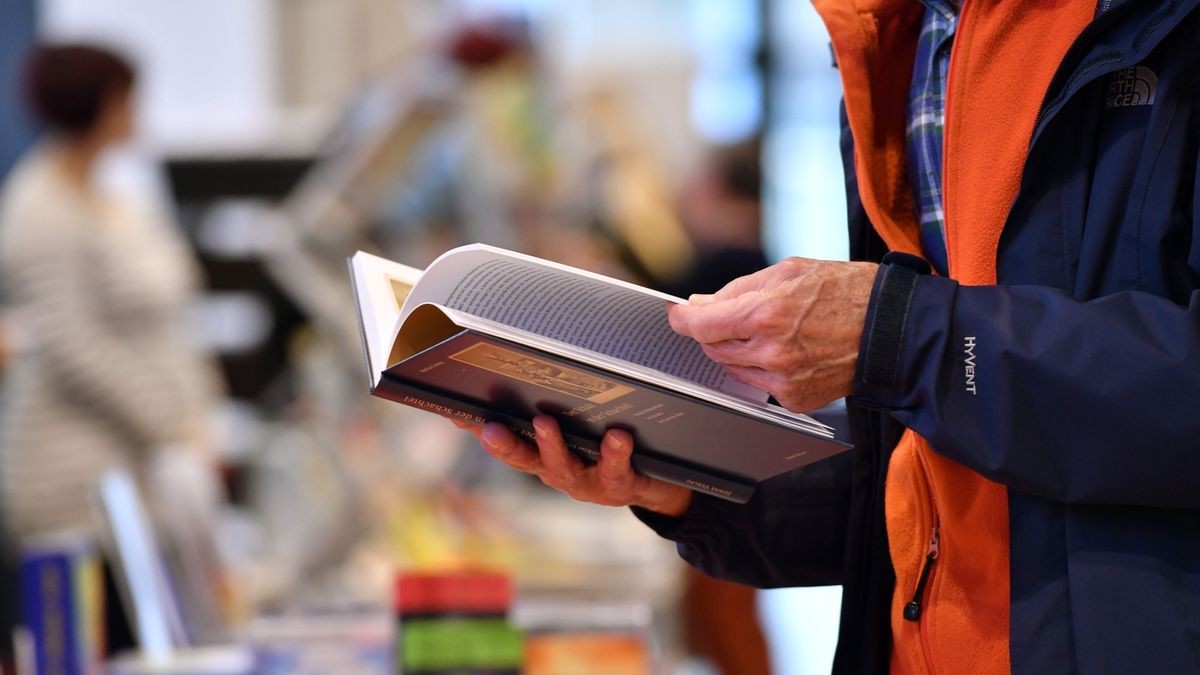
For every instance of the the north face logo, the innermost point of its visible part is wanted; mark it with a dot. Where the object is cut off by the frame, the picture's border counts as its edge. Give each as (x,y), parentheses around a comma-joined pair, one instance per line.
(1132,87)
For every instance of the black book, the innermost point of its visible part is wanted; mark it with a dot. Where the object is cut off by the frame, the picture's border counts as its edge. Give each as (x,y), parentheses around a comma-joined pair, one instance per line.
(486,334)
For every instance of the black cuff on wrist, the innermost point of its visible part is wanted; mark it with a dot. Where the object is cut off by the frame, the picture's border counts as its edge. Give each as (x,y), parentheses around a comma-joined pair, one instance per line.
(884,331)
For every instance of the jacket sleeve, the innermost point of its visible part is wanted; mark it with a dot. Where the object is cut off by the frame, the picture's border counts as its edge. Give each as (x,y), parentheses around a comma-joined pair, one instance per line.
(791,533)
(1081,402)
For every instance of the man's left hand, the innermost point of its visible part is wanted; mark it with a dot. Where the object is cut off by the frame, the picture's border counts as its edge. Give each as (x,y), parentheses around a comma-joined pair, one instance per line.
(792,329)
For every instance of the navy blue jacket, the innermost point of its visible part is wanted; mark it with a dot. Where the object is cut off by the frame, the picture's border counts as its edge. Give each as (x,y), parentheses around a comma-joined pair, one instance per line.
(1087,385)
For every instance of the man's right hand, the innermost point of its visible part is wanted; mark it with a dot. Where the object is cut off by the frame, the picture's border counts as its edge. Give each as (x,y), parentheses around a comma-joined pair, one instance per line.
(610,482)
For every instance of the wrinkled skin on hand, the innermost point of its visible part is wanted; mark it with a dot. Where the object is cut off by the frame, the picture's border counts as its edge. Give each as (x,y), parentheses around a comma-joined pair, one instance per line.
(792,329)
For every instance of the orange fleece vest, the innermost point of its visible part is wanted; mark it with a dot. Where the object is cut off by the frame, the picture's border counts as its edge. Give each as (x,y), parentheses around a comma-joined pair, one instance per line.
(1005,53)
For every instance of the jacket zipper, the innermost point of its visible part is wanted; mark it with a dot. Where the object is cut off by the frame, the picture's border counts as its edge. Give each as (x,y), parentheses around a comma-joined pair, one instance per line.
(912,611)
(922,599)
(923,594)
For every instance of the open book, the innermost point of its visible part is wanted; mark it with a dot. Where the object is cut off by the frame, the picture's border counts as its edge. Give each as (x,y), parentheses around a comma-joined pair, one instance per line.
(486,334)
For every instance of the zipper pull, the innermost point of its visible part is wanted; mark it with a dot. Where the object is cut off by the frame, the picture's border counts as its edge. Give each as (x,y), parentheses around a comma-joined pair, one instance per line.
(912,611)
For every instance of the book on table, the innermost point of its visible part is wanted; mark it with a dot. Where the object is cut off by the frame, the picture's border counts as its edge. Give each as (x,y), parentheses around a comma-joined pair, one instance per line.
(488,335)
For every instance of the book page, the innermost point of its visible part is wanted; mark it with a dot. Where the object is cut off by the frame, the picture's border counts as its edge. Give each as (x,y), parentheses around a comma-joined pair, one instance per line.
(754,403)
(603,315)
(381,288)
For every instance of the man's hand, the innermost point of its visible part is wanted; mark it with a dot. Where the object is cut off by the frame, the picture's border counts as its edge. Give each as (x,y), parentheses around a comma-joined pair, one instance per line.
(792,329)
(610,482)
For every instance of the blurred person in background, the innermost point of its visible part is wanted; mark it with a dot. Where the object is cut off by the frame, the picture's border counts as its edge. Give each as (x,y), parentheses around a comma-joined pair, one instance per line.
(721,212)
(106,376)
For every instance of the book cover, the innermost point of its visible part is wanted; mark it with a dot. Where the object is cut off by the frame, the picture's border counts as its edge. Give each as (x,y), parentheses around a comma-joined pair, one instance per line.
(677,439)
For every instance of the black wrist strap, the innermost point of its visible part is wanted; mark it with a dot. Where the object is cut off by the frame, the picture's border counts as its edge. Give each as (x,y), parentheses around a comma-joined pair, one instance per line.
(894,287)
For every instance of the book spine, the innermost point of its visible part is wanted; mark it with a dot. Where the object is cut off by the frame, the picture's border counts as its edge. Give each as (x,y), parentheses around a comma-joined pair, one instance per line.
(645,462)
(48,612)
(692,479)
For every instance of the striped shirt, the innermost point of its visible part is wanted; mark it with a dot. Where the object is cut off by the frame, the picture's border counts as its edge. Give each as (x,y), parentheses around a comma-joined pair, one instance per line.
(107,376)
(926,118)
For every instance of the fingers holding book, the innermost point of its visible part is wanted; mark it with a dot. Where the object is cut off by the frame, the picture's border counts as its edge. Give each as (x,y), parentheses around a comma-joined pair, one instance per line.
(561,470)
(504,445)
(610,482)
